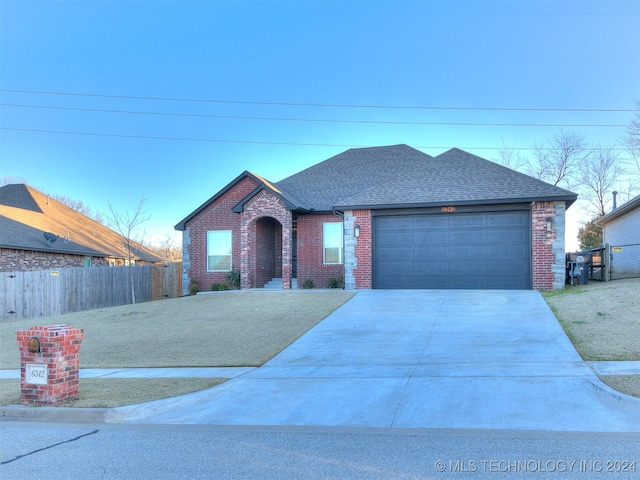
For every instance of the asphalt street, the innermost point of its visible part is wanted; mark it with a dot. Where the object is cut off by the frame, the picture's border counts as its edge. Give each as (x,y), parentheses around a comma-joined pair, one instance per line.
(51,451)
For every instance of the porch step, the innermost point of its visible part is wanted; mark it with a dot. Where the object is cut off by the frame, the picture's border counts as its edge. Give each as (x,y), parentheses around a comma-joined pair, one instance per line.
(276,284)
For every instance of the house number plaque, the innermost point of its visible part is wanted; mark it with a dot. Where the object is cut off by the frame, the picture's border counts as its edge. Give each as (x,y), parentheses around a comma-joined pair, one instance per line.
(448,209)
(36,374)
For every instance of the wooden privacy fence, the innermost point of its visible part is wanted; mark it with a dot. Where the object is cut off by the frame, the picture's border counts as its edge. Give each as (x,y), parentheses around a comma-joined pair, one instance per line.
(47,293)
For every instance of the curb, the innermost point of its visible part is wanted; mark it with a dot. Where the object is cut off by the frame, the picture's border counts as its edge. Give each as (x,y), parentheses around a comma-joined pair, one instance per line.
(53,414)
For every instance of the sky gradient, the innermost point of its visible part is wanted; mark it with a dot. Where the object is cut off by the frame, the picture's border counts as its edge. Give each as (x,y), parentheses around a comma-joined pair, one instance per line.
(107,101)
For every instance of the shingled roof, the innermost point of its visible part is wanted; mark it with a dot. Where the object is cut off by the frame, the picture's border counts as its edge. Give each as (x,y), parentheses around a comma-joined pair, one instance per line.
(26,214)
(400,176)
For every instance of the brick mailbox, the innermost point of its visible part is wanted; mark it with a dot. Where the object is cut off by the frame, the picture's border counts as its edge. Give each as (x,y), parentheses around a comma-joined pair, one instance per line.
(49,364)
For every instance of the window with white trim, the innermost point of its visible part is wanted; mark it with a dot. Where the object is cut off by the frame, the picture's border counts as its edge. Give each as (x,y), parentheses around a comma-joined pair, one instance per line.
(219,251)
(332,243)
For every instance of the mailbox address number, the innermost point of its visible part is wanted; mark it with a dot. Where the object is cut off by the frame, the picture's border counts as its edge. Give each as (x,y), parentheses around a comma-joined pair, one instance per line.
(36,374)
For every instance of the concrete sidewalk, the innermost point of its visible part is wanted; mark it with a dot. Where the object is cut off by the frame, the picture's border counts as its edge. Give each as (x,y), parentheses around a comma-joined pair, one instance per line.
(434,359)
(189,372)
(600,368)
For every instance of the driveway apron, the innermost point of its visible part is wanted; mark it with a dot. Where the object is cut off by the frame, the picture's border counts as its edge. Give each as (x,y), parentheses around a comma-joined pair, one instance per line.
(417,358)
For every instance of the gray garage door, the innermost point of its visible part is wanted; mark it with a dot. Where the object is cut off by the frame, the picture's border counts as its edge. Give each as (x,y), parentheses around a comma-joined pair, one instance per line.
(459,250)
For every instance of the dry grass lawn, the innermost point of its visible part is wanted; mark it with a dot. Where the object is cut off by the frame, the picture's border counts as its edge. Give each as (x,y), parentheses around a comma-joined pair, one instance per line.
(220,329)
(603,322)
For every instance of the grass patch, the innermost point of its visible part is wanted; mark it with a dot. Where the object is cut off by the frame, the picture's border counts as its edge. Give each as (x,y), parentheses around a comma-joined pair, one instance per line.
(568,290)
(222,329)
(117,392)
(629,384)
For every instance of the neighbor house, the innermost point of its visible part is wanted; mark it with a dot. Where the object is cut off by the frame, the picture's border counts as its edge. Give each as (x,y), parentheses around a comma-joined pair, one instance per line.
(37,232)
(383,217)
(621,231)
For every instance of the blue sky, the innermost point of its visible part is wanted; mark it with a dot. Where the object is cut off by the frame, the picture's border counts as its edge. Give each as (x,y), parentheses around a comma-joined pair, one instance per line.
(304,77)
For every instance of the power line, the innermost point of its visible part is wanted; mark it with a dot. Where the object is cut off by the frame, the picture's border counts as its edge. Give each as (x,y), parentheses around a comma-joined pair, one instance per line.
(316,120)
(259,142)
(323,105)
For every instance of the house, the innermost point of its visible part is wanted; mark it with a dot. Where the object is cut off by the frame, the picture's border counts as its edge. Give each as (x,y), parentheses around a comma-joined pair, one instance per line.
(38,232)
(383,217)
(621,231)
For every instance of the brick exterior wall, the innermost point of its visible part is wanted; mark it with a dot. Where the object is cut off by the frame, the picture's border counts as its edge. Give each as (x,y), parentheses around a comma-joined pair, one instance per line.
(217,216)
(60,352)
(262,243)
(547,246)
(310,261)
(12,260)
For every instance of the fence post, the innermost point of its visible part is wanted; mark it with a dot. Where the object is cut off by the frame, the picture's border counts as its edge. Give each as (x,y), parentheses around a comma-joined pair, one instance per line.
(606,256)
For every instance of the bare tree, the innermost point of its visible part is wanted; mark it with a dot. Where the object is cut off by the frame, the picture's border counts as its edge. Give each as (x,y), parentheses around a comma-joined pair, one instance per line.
(126,224)
(631,140)
(557,162)
(510,158)
(599,174)
(168,250)
(11,180)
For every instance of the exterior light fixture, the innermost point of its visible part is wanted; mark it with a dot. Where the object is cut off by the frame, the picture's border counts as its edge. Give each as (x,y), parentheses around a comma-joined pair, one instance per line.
(356,231)
(549,224)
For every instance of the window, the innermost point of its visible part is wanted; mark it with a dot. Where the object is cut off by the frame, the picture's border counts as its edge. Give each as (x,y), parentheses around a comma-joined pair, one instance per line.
(219,251)
(332,242)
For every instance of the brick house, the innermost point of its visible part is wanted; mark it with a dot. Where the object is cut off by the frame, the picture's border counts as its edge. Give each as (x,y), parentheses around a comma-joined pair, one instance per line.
(72,240)
(383,217)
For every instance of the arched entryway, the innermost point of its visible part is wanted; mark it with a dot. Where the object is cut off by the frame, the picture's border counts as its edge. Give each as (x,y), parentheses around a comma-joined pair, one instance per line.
(265,241)
(267,254)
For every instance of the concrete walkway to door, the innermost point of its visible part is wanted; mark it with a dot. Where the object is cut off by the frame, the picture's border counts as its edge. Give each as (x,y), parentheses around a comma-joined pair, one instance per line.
(409,358)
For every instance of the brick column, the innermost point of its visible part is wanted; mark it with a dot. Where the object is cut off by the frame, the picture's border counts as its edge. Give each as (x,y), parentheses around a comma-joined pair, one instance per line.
(49,364)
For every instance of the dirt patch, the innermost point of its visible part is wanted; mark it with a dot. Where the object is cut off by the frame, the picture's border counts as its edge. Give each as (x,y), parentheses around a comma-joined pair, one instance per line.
(603,322)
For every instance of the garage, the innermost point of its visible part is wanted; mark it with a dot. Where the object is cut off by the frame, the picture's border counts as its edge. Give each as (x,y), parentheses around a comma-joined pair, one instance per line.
(453,249)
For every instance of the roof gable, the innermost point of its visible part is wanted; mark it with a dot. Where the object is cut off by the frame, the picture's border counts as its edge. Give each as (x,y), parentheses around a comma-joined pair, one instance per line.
(182,224)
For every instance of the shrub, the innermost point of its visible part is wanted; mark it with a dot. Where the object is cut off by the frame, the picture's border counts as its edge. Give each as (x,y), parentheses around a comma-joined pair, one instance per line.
(233,278)
(308,283)
(336,282)
(218,287)
(193,286)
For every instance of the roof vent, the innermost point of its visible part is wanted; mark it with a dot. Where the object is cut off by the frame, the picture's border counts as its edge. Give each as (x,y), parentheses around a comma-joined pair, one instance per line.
(615,205)
(50,237)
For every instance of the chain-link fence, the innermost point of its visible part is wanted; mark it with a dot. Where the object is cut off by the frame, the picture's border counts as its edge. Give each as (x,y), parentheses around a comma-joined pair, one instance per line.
(624,261)
(610,262)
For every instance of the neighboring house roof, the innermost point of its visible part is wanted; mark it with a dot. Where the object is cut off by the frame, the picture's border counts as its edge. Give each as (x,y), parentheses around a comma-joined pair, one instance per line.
(26,214)
(621,211)
(399,176)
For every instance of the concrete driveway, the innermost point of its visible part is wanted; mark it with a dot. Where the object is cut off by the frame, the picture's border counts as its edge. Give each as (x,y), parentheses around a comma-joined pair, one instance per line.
(409,358)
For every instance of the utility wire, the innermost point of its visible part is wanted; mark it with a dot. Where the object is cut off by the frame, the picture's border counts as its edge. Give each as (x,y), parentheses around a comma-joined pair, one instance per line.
(258,142)
(330,105)
(316,120)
